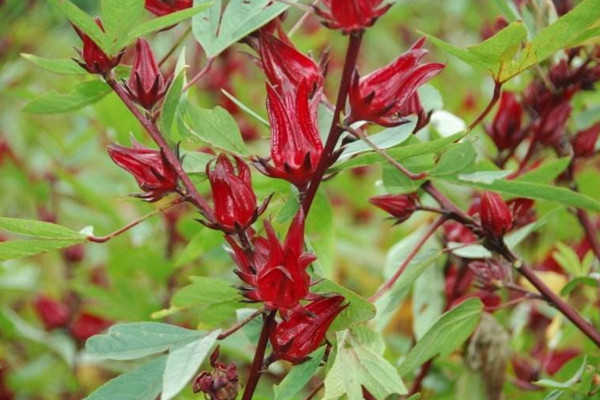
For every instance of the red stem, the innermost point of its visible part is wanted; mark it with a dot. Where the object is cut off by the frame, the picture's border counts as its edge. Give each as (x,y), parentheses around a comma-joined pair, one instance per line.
(259,357)
(490,106)
(152,129)
(335,131)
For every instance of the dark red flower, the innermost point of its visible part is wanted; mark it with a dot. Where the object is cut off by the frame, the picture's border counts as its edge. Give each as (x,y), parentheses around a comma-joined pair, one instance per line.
(276,273)
(457,232)
(164,7)
(296,146)
(584,142)
(496,217)
(95,60)
(489,275)
(352,15)
(219,384)
(147,85)
(53,314)
(150,168)
(550,126)
(302,333)
(87,325)
(506,130)
(413,106)
(234,200)
(381,96)
(399,206)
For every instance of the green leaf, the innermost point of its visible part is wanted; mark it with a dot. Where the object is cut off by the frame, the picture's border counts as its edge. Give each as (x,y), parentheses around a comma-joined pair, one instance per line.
(159,23)
(118,17)
(23,248)
(183,363)
(455,160)
(574,283)
(172,99)
(216,32)
(245,108)
(299,376)
(359,363)
(546,173)
(446,335)
(85,93)
(549,383)
(39,229)
(143,383)
(205,291)
(385,139)
(216,127)
(137,340)
(358,310)
(83,21)
(58,66)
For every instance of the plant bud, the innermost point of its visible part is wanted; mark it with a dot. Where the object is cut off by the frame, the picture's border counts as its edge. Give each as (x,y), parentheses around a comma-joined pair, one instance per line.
(147,85)
(53,314)
(352,15)
(584,142)
(495,216)
(95,60)
(399,206)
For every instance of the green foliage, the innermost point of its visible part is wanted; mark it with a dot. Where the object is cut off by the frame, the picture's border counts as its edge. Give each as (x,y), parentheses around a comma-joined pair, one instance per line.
(66,66)
(299,376)
(84,94)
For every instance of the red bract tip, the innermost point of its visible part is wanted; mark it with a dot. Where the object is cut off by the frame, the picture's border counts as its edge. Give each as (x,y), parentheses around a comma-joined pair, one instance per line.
(235,206)
(382,96)
(302,333)
(150,168)
(584,142)
(164,7)
(496,217)
(506,130)
(352,15)
(399,206)
(53,314)
(147,86)
(95,60)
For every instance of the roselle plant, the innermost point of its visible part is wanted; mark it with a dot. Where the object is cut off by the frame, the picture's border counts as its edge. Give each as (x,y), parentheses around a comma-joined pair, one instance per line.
(323,231)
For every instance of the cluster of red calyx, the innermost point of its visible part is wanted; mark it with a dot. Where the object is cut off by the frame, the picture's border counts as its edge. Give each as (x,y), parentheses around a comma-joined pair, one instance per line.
(235,204)
(150,168)
(57,315)
(94,59)
(219,384)
(399,206)
(352,16)
(294,90)
(147,85)
(165,7)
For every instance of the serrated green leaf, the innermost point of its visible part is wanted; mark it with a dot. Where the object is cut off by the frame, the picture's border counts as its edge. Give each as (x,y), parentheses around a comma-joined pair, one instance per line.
(118,17)
(85,93)
(58,66)
(143,383)
(137,340)
(183,363)
(446,335)
(299,376)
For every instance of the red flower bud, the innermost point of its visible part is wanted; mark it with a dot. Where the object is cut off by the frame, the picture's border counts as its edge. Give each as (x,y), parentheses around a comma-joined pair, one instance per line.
(276,274)
(53,314)
(352,15)
(95,60)
(399,206)
(296,146)
(302,333)
(550,126)
(147,86)
(87,325)
(496,217)
(219,384)
(506,130)
(584,142)
(164,7)
(381,96)
(233,196)
(150,168)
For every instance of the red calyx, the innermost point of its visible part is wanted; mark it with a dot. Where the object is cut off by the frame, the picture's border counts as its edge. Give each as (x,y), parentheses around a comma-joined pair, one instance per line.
(150,168)
(234,200)
(302,333)
(147,85)
(506,130)
(399,206)
(164,7)
(352,15)
(382,96)
(584,142)
(95,60)
(53,314)
(87,325)
(496,217)
(219,384)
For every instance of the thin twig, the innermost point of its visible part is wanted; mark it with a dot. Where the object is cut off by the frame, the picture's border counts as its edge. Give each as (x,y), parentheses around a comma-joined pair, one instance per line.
(490,106)
(259,356)
(303,18)
(236,327)
(200,74)
(175,46)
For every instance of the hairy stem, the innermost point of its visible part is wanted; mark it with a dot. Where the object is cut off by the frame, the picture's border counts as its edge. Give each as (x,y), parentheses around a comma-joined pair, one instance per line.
(152,129)
(335,131)
(259,356)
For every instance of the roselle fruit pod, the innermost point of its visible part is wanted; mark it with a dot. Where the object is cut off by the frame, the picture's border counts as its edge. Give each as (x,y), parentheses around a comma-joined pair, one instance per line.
(94,59)
(53,314)
(164,7)
(382,96)
(146,85)
(150,168)
(352,15)
(506,130)
(302,333)
(584,142)
(496,217)
(399,206)
(87,325)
